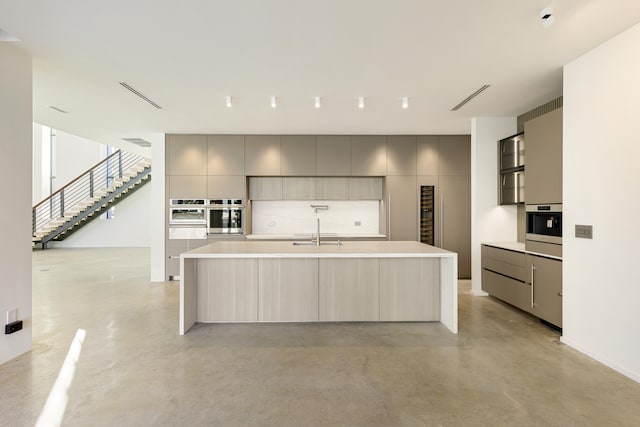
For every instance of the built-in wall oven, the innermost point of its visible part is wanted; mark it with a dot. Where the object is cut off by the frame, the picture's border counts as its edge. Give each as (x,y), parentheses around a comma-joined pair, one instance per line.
(544,223)
(188,218)
(225,216)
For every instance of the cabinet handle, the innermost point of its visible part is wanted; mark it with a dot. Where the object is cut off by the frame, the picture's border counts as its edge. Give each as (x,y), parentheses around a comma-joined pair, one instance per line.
(389,236)
(533,267)
(441,220)
(560,294)
(504,180)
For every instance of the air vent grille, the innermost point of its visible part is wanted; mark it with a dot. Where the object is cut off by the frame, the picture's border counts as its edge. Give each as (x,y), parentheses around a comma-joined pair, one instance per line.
(138,141)
(59,110)
(470,97)
(538,111)
(139,94)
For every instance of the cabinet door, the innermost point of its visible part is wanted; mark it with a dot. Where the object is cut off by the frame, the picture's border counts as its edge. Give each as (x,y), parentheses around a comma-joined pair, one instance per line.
(288,290)
(454,155)
(298,188)
(427,155)
(226,154)
(545,278)
(187,187)
(454,212)
(333,155)
(403,205)
(265,188)
(365,188)
(368,155)
(401,155)
(332,188)
(187,155)
(227,187)
(297,155)
(543,158)
(262,155)
(348,289)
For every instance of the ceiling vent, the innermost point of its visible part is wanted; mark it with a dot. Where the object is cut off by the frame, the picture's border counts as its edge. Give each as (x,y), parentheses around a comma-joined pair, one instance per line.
(138,94)
(470,97)
(138,141)
(59,110)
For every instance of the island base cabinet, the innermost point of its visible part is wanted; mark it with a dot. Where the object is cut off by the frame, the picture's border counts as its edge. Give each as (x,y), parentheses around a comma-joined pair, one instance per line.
(288,290)
(349,290)
(227,290)
(546,282)
(404,295)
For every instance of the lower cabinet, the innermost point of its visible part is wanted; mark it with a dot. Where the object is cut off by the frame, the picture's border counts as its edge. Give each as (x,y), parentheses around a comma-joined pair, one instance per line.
(530,282)
(288,290)
(349,289)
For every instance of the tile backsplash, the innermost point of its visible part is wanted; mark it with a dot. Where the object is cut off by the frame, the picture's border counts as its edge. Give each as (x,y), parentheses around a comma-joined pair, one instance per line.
(298,217)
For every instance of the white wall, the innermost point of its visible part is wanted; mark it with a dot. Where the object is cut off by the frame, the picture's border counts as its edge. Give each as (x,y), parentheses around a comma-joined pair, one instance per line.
(601,148)
(73,155)
(489,221)
(15,192)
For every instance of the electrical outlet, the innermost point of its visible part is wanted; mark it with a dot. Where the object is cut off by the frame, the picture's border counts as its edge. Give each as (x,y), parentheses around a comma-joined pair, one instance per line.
(272,224)
(13,327)
(357,223)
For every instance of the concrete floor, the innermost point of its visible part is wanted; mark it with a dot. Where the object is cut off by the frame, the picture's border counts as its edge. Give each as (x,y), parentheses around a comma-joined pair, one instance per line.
(504,368)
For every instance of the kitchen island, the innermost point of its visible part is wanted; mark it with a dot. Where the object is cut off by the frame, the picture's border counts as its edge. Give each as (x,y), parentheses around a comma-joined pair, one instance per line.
(379,281)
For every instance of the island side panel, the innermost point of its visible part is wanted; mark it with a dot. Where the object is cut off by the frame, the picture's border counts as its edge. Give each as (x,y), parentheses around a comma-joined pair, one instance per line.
(349,289)
(188,296)
(449,292)
(288,290)
(409,289)
(227,290)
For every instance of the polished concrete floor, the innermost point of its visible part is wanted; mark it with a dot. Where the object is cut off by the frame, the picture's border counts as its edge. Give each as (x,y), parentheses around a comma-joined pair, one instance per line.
(503,369)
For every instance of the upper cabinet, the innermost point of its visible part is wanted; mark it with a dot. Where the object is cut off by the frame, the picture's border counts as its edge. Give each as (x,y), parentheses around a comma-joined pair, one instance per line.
(368,155)
(454,155)
(187,155)
(544,158)
(225,154)
(427,155)
(333,155)
(262,155)
(401,155)
(297,155)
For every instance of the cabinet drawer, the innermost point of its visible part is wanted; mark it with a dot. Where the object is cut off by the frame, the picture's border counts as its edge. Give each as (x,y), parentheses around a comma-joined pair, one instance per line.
(508,263)
(504,255)
(508,290)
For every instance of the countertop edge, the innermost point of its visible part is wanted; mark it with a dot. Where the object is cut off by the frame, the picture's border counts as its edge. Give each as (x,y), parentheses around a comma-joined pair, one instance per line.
(518,247)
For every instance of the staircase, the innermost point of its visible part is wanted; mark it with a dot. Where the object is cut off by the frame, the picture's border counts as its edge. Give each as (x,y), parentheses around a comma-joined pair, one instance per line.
(87,196)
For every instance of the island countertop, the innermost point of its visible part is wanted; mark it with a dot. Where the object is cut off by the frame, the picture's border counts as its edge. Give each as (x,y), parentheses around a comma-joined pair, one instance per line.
(351,249)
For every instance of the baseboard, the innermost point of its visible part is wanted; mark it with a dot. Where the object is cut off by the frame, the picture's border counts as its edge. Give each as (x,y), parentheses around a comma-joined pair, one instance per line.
(478,293)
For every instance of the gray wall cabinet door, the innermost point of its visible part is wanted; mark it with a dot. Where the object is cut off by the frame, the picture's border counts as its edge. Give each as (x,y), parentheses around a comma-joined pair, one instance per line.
(455,219)
(265,188)
(297,155)
(187,187)
(403,205)
(367,188)
(262,155)
(332,188)
(298,188)
(547,288)
(454,155)
(187,155)
(368,155)
(227,187)
(226,154)
(401,155)
(427,155)
(543,158)
(333,155)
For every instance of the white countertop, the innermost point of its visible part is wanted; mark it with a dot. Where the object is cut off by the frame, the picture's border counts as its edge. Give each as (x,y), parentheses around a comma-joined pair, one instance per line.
(351,249)
(518,247)
(308,236)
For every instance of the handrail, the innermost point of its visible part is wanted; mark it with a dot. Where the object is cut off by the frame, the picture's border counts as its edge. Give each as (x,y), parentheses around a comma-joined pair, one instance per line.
(79,177)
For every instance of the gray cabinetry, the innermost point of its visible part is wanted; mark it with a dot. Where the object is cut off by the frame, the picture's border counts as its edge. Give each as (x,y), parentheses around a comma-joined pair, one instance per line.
(297,155)
(368,155)
(187,186)
(545,278)
(369,188)
(298,188)
(504,276)
(427,155)
(402,202)
(332,188)
(187,155)
(226,187)
(333,155)
(455,219)
(544,158)
(225,155)
(349,289)
(262,155)
(265,188)
(454,155)
(401,155)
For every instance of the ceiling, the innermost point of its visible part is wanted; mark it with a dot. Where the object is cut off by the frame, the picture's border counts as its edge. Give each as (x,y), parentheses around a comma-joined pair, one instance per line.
(188,56)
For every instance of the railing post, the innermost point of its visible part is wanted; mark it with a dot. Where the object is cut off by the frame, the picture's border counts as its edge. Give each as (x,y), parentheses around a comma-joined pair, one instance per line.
(120,163)
(91,183)
(62,203)
(33,220)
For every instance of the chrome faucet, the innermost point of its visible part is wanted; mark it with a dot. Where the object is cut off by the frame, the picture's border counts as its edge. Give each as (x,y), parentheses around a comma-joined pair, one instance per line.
(318,235)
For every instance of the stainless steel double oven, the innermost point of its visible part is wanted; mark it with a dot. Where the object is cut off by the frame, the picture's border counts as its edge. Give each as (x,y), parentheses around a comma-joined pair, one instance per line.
(225,216)
(198,218)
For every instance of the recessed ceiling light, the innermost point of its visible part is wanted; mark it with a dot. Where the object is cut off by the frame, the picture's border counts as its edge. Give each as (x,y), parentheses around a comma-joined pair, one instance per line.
(361,102)
(405,102)
(273,102)
(317,102)
(228,101)
(59,110)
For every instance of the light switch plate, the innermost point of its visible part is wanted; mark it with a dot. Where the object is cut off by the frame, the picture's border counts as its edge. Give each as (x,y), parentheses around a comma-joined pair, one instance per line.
(584,231)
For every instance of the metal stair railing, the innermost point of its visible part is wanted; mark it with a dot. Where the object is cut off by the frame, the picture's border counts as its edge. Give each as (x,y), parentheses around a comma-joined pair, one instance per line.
(84,190)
